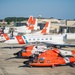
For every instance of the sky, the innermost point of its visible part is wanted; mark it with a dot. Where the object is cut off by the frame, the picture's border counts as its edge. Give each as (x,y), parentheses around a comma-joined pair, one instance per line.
(60,9)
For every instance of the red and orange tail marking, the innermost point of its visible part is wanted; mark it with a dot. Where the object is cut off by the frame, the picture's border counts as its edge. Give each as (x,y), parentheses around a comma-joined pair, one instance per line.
(31,22)
(45,28)
(30,19)
(31,26)
(34,21)
(20,40)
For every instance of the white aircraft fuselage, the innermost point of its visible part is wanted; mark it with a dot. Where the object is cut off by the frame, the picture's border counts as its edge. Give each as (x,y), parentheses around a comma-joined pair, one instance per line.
(54,39)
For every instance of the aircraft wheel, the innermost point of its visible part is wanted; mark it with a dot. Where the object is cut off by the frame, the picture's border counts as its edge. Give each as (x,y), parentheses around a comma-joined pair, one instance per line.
(25,62)
(72,65)
(58,47)
(19,54)
(53,66)
(30,66)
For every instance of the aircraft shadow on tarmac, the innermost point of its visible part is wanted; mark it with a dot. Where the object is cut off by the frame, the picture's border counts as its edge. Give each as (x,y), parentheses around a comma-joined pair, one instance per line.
(16,58)
(11,47)
(26,65)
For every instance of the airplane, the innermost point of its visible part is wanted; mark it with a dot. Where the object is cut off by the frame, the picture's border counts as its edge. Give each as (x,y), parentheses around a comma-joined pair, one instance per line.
(52,57)
(31,25)
(45,30)
(5,36)
(17,29)
(58,40)
(25,39)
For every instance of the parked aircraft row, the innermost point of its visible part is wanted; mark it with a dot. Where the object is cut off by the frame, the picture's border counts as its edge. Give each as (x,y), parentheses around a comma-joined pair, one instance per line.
(45,30)
(40,55)
(54,39)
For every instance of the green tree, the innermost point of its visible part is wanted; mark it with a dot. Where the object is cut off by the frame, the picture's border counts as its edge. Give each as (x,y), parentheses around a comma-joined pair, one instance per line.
(8,22)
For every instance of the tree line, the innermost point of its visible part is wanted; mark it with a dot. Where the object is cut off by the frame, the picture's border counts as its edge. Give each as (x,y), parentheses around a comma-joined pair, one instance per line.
(18,19)
(15,19)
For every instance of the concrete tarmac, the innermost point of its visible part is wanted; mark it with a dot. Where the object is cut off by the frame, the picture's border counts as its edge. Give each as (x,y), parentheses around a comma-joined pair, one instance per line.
(14,66)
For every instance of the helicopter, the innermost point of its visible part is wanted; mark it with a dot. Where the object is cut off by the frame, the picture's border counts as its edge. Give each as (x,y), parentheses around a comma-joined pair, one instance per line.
(52,57)
(29,50)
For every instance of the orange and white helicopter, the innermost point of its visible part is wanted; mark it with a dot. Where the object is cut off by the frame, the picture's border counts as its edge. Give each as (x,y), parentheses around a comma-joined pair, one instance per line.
(52,57)
(29,50)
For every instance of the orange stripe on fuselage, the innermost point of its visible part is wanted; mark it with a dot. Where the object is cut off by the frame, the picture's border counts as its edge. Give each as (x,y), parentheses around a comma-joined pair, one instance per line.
(20,40)
(6,36)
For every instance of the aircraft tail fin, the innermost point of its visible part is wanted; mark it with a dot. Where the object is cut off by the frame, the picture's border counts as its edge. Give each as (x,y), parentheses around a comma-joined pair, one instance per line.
(46,28)
(33,25)
(30,20)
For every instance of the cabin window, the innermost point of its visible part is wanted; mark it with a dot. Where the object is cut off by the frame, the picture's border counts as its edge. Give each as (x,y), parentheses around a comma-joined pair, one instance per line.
(50,38)
(29,39)
(33,39)
(46,38)
(37,39)
(42,39)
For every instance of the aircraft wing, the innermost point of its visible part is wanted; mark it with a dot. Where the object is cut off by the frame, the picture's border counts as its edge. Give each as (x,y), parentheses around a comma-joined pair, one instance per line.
(59,45)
